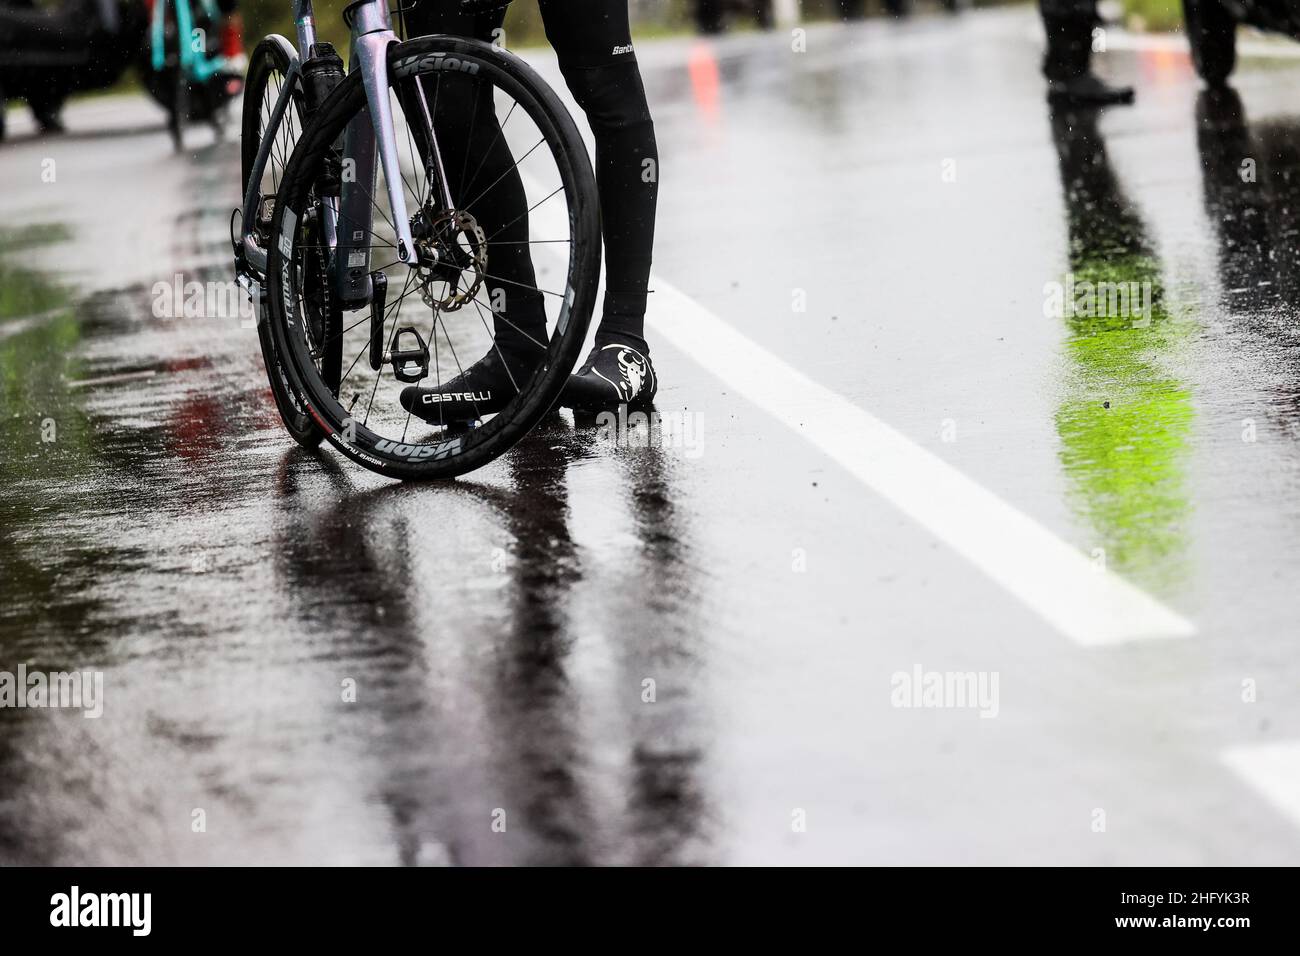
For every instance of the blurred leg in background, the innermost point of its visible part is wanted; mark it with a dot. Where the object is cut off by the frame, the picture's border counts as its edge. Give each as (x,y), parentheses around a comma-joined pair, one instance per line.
(852,9)
(708,16)
(711,15)
(1070,80)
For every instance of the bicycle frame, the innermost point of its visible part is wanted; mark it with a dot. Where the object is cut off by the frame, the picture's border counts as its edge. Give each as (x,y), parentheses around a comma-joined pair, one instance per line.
(370,133)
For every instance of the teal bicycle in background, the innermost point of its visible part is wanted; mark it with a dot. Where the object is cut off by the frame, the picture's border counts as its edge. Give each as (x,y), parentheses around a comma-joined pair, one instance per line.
(189,54)
(194,62)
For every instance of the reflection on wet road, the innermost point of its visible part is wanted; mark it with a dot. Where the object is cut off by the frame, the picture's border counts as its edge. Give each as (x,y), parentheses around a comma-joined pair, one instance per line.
(593,652)
(1124,422)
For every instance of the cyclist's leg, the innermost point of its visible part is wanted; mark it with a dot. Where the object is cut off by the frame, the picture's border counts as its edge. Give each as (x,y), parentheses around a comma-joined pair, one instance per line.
(481,171)
(1070,80)
(593,41)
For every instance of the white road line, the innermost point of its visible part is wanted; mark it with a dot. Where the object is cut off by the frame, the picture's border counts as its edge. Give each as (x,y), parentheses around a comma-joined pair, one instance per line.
(1054,579)
(1091,606)
(1272,769)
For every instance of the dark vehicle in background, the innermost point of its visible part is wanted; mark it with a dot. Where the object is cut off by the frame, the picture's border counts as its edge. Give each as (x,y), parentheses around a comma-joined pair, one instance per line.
(49,51)
(857,9)
(1212,30)
(711,15)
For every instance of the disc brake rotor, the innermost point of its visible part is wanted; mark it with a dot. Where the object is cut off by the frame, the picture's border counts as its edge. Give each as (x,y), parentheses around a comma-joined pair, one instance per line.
(457,248)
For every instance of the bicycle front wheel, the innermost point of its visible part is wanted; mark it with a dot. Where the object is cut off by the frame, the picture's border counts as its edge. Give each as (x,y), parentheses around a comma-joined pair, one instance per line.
(472,347)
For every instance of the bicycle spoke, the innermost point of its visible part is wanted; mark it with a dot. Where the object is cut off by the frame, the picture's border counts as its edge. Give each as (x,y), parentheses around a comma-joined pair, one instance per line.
(469,145)
(526,242)
(379,374)
(275,142)
(437,372)
(513,167)
(501,316)
(387,313)
(530,288)
(381,245)
(523,214)
(504,363)
(473,401)
(406,182)
(410,142)
(437,367)
(344,217)
(340,334)
(377,208)
(500,130)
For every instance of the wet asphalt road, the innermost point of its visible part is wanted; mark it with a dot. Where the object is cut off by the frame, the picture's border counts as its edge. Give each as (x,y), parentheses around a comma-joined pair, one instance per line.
(907,186)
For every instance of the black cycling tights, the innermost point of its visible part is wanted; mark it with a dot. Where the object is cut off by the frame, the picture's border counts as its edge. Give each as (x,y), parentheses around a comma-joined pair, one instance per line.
(593,43)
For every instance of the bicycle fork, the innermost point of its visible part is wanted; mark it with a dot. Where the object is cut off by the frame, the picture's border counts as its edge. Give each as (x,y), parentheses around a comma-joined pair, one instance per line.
(372,57)
(373,35)
(370,140)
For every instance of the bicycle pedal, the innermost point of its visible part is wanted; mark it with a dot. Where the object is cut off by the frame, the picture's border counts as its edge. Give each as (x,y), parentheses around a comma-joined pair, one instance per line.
(411,364)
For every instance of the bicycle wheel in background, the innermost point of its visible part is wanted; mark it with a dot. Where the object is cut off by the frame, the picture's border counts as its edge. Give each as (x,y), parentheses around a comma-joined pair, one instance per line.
(472,348)
(268,68)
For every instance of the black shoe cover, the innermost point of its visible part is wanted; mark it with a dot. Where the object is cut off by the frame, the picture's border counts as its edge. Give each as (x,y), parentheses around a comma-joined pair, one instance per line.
(613,375)
(484,388)
(1087,90)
